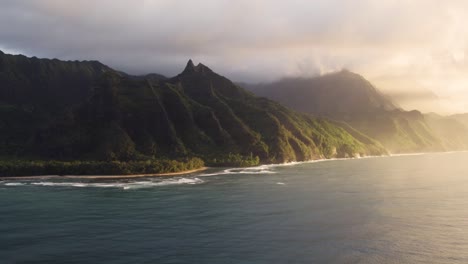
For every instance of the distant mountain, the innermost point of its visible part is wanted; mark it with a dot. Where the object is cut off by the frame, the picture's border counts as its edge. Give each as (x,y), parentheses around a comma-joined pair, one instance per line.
(419,98)
(462,118)
(452,132)
(336,95)
(348,97)
(51,109)
(150,76)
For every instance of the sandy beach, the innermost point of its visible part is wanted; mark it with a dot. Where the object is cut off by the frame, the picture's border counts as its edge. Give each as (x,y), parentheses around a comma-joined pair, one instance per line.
(127,176)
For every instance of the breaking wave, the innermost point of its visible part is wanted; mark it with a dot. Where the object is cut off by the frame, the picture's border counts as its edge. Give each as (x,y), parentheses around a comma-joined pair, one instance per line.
(126,185)
(269,168)
(13,183)
(263,169)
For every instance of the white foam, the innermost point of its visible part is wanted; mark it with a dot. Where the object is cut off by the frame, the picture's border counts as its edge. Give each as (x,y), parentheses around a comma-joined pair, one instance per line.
(426,153)
(104,185)
(179,181)
(281,183)
(60,184)
(214,174)
(14,184)
(408,154)
(124,185)
(266,168)
(150,184)
(262,169)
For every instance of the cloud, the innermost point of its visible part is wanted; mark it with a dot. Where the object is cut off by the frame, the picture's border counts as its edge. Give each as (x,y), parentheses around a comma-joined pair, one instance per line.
(418,42)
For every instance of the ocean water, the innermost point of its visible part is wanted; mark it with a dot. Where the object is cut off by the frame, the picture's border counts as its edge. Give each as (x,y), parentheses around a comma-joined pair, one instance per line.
(403,209)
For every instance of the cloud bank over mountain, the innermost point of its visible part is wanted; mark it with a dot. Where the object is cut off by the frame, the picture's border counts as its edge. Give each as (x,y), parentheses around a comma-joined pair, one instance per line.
(399,45)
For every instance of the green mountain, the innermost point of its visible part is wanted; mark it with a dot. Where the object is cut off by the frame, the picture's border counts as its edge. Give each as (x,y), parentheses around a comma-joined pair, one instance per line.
(338,95)
(348,97)
(69,110)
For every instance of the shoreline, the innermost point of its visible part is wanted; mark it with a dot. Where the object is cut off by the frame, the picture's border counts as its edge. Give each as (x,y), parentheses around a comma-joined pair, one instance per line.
(169,174)
(390,155)
(101,177)
(424,153)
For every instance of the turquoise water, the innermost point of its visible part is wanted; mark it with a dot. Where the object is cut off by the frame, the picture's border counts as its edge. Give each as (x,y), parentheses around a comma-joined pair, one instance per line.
(405,209)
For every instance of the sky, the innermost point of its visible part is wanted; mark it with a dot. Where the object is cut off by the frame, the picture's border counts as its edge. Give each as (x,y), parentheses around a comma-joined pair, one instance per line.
(414,50)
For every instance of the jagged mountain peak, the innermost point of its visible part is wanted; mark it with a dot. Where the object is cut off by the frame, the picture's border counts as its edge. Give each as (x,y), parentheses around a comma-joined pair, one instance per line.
(114,116)
(190,65)
(199,68)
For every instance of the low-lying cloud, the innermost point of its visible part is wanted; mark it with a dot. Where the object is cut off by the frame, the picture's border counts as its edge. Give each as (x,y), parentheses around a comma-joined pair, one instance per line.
(397,44)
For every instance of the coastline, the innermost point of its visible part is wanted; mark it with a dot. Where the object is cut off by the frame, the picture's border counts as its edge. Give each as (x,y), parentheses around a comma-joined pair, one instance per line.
(169,174)
(423,153)
(390,155)
(126,176)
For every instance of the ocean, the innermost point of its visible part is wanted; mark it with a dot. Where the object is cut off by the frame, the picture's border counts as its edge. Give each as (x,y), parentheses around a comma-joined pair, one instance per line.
(400,209)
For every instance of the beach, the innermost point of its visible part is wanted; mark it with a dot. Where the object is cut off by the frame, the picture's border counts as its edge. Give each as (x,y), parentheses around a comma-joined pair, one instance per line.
(126,176)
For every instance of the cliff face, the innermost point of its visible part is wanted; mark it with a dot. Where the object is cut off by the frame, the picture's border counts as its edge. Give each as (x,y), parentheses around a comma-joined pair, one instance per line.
(86,110)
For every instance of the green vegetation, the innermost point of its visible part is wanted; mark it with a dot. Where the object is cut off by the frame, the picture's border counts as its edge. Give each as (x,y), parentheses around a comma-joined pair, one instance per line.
(365,113)
(27,168)
(86,111)
(234,160)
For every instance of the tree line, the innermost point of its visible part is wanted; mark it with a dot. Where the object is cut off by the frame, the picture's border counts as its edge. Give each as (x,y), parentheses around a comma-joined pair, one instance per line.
(26,168)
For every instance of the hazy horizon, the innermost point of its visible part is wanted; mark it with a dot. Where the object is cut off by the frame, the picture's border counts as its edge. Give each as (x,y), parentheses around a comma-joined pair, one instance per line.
(412,50)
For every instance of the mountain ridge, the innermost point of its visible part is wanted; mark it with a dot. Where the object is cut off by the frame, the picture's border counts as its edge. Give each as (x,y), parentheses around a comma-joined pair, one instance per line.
(69,110)
(350,98)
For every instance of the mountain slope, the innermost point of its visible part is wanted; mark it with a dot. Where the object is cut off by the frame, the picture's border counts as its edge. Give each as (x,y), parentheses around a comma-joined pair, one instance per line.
(86,110)
(336,95)
(348,97)
(452,132)
(462,118)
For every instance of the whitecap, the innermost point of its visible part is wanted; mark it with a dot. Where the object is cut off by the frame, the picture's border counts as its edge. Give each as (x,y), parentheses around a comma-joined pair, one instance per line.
(60,184)
(263,169)
(268,168)
(14,184)
(105,185)
(124,185)
(179,181)
(225,172)
(149,184)
(410,154)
